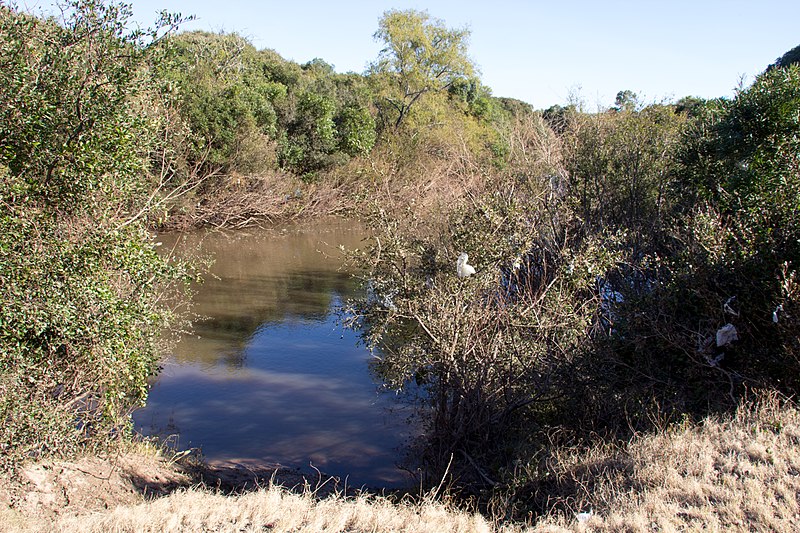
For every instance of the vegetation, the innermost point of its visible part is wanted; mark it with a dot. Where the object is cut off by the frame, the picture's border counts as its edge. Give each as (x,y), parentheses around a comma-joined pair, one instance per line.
(79,277)
(736,473)
(421,56)
(636,267)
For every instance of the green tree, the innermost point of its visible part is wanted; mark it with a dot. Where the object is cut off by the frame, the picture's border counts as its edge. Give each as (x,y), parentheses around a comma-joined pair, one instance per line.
(626,101)
(420,55)
(312,137)
(227,95)
(792,57)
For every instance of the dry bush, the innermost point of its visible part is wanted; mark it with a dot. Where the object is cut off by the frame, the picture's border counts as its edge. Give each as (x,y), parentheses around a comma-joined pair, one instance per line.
(498,352)
(238,201)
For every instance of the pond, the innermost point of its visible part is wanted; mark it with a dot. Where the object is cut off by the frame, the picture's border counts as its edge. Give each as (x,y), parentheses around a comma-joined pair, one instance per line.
(270,375)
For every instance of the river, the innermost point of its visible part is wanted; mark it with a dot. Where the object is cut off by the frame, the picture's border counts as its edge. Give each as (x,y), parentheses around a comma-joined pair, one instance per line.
(270,375)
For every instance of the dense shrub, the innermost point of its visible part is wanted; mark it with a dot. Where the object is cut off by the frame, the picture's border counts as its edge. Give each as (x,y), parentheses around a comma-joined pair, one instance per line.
(80,280)
(610,250)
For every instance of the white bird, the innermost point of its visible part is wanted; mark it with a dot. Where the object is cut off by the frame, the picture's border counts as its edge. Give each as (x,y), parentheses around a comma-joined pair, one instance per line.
(462,268)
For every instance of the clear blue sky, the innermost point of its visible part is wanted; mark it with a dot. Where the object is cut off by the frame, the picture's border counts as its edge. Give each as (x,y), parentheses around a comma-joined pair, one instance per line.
(538,51)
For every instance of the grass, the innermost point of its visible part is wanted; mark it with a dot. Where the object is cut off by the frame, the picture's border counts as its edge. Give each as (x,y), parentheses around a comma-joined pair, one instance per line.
(277,510)
(740,473)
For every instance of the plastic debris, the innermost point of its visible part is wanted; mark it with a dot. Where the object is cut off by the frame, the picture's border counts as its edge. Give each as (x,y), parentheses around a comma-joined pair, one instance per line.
(584,517)
(716,361)
(727,306)
(726,335)
(777,310)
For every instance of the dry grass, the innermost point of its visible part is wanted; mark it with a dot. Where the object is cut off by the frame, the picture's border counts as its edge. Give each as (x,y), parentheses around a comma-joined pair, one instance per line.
(736,474)
(275,510)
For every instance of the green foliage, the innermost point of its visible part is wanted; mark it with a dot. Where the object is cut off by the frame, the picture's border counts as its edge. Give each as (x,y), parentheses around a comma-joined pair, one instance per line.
(690,105)
(626,101)
(224,95)
(230,93)
(311,137)
(79,277)
(420,55)
(356,129)
(50,146)
(792,57)
(620,166)
(741,224)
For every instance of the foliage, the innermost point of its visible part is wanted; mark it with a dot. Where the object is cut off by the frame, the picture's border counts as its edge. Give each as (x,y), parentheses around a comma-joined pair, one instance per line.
(620,167)
(740,222)
(792,57)
(490,350)
(626,101)
(222,94)
(307,117)
(79,276)
(610,248)
(420,55)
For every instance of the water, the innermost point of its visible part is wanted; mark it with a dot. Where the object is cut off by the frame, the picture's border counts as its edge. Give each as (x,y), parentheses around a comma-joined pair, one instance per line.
(271,376)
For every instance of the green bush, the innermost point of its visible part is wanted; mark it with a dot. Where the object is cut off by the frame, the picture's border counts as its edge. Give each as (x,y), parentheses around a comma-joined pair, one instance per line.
(79,277)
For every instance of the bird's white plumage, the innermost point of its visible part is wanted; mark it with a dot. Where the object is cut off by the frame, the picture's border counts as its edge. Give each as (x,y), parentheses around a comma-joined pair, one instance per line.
(462,268)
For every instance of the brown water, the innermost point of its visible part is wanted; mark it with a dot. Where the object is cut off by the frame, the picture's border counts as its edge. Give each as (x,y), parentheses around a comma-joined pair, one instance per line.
(271,376)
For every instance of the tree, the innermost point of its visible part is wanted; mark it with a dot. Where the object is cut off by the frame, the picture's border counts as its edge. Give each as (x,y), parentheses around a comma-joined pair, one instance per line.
(626,101)
(421,55)
(792,57)
(81,285)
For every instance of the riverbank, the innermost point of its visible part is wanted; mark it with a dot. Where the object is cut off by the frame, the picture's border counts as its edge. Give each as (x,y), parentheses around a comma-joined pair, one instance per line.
(738,473)
(146,491)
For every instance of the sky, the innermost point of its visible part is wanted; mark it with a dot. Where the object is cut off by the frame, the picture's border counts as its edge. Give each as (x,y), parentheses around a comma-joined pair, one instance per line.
(542,52)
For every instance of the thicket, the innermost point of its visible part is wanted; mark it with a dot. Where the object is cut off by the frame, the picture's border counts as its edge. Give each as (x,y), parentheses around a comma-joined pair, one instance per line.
(251,110)
(634,267)
(82,288)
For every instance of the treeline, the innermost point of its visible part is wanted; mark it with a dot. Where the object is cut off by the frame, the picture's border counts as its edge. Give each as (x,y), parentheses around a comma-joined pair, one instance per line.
(257,129)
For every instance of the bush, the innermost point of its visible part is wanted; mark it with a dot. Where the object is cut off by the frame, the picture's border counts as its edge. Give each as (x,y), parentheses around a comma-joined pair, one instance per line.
(79,277)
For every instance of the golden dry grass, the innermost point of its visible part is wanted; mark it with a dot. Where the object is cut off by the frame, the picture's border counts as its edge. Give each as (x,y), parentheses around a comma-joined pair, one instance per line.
(275,510)
(736,474)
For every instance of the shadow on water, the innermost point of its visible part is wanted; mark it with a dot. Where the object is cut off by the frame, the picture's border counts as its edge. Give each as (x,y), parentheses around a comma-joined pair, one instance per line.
(270,376)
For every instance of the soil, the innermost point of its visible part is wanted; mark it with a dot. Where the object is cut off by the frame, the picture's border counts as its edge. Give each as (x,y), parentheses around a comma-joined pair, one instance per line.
(44,491)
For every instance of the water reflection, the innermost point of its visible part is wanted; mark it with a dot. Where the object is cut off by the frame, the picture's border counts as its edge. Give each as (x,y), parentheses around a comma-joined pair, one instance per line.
(270,375)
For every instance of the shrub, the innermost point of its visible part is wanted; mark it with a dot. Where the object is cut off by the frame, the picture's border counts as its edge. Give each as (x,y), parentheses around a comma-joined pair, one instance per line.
(79,277)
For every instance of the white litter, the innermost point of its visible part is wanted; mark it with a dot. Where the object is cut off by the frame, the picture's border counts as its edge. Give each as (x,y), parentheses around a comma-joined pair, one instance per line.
(726,335)
(584,517)
(777,310)
(727,306)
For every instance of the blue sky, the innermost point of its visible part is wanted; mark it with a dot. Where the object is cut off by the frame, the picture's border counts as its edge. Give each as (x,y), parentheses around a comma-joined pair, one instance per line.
(537,51)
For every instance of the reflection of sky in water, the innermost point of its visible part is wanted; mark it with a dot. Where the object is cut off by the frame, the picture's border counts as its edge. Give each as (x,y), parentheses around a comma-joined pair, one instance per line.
(270,375)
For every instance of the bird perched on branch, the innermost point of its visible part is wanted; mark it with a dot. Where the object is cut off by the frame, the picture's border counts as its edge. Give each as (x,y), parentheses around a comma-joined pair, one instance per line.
(462,268)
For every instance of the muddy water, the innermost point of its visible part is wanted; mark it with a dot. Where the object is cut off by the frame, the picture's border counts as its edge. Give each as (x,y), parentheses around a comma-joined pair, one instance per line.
(270,376)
